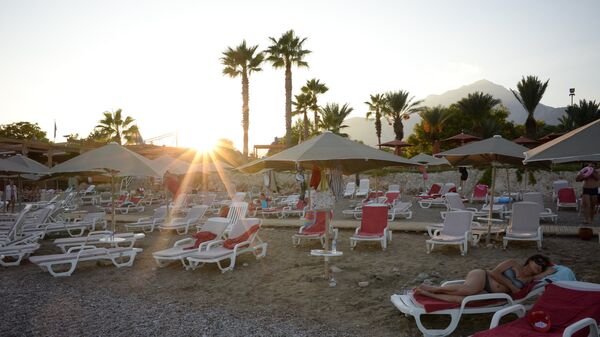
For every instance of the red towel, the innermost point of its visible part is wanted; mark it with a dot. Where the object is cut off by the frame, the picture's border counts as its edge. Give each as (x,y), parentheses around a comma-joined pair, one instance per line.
(230,243)
(564,306)
(374,220)
(319,226)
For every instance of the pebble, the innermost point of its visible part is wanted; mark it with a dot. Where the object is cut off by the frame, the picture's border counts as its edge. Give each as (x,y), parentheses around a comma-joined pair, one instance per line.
(335,269)
(363,284)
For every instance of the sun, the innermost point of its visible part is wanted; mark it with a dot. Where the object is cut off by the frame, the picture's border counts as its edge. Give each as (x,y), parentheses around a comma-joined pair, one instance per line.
(204,144)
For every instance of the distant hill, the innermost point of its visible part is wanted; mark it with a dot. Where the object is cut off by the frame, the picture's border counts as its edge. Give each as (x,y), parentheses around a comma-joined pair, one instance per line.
(364,130)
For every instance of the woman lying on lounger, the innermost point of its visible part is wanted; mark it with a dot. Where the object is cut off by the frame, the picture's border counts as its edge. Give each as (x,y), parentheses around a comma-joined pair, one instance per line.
(508,277)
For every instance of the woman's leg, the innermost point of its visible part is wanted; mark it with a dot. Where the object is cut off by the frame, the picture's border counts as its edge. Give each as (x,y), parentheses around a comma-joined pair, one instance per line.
(474,284)
(593,201)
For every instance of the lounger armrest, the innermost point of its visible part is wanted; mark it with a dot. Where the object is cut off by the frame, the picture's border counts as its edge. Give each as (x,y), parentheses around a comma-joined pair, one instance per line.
(443,215)
(586,322)
(139,236)
(144,219)
(241,244)
(485,297)
(80,248)
(214,244)
(472,209)
(183,242)
(516,309)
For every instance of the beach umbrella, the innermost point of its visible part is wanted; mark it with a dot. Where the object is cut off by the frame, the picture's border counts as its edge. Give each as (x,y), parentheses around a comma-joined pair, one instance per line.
(462,138)
(31,165)
(166,163)
(494,151)
(550,137)
(580,144)
(112,159)
(328,150)
(522,140)
(397,144)
(10,167)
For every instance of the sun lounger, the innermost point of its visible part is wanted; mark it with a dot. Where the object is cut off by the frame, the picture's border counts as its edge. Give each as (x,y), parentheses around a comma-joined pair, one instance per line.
(314,227)
(480,192)
(524,224)
(363,188)
(373,226)
(545,213)
(182,225)
(13,252)
(243,238)
(422,306)
(184,248)
(572,307)
(456,230)
(349,190)
(147,224)
(120,257)
(566,198)
(126,240)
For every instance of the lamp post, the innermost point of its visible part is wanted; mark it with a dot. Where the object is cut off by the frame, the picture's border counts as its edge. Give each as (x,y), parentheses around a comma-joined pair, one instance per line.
(572,93)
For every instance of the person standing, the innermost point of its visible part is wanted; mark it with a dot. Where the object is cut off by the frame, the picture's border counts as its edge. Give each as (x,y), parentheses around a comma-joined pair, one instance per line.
(589,196)
(10,195)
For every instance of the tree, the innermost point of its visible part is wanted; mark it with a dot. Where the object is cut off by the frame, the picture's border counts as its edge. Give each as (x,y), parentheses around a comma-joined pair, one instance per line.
(314,88)
(332,117)
(529,93)
(578,115)
(117,129)
(433,121)
(477,107)
(377,109)
(242,61)
(302,104)
(23,131)
(399,107)
(284,53)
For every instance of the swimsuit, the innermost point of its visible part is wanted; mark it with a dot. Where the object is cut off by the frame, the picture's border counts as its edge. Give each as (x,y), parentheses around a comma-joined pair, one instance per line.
(512,276)
(487,287)
(590,191)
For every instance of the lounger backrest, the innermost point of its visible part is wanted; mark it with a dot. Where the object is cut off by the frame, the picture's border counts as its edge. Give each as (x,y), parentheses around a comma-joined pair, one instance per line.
(434,189)
(447,188)
(19,221)
(209,199)
(237,210)
(350,187)
(525,217)
(216,226)
(242,225)
(454,201)
(394,188)
(374,219)
(567,195)
(457,223)
(391,197)
(557,185)
(319,219)
(39,216)
(480,191)
(160,212)
(363,186)
(196,213)
(535,197)
(239,196)
(94,216)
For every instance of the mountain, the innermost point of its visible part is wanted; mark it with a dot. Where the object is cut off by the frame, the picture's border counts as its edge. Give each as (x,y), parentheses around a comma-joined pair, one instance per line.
(361,129)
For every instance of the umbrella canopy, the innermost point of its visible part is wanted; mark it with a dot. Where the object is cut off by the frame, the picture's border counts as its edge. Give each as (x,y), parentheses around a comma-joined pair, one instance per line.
(328,150)
(522,140)
(396,143)
(425,159)
(166,163)
(550,137)
(577,145)
(485,152)
(112,158)
(10,167)
(210,167)
(31,165)
(463,138)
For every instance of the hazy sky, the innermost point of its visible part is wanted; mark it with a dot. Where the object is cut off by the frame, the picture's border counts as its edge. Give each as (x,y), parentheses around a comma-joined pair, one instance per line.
(70,61)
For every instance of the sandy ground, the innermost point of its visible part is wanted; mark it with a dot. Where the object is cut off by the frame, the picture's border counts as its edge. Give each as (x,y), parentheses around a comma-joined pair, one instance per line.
(283,294)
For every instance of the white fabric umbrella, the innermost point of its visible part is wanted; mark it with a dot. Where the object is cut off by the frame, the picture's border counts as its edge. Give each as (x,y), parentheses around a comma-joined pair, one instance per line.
(113,159)
(493,151)
(578,145)
(10,167)
(31,165)
(176,166)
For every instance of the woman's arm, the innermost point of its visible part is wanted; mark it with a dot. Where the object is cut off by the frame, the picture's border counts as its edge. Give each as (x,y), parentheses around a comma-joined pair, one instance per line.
(496,274)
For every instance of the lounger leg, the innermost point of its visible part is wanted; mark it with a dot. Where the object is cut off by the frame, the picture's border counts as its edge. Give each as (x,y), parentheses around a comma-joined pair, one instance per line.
(454,319)
(81,230)
(129,258)
(18,258)
(263,250)
(231,264)
(162,263)
(61,274)
(429,246)
(504,243)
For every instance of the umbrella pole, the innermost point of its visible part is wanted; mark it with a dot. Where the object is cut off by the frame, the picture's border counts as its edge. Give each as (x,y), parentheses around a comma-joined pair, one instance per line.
(491,210)
(112,192)
(508,182)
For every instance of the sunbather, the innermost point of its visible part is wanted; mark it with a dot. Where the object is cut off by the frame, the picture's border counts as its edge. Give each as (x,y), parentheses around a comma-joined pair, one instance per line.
(591,181)
(508,277)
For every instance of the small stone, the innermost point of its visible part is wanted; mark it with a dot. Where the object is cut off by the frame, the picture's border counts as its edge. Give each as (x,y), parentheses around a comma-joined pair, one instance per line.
(395,270)
(335,269)
(245,264)
(363,284)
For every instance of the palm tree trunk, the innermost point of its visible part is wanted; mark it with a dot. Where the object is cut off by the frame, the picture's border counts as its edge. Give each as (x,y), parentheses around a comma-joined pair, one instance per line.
(305,128)
(398,128)
(288,105)
(378,131)
(530,126)
(435,148)
(316,128)
(245,111)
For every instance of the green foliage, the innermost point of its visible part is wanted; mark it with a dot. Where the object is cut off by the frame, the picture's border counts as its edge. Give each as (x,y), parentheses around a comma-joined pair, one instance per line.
(579,115)
(23,131)
(313,88)
(113,127)
(486,178)
(529,93)
(377,109)
(333,117)
(531,179)
(477,107)
(400,106)
(301,105)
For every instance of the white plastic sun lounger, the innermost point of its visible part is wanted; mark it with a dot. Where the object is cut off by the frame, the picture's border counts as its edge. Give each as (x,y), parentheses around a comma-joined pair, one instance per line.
(410,307)
(120,257)
(147,224)
(124,240)
(11,254)
(182,225)
(216,252)
(182,249)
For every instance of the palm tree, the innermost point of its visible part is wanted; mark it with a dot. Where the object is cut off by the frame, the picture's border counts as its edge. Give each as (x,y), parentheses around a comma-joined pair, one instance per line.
(432,122)
(313,88)
(302,104)
(477,107)
(333,117)
(578,115)
(115,128)
(242,61)
(284,53)
(529,93)
(399,107)
(377,109)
